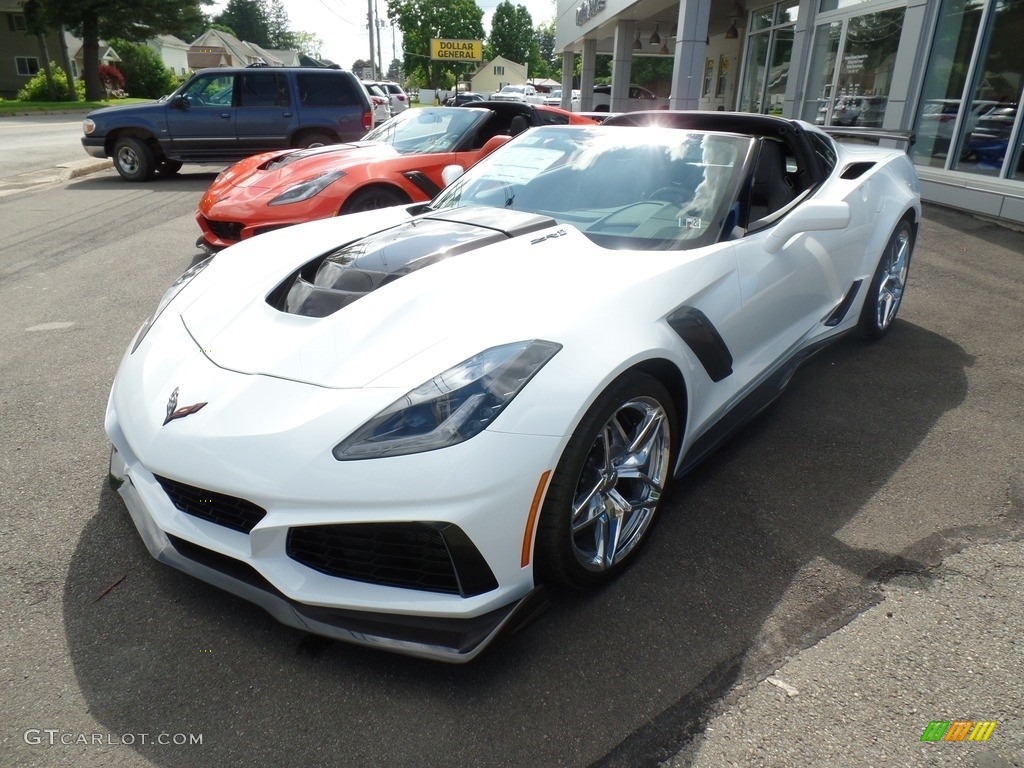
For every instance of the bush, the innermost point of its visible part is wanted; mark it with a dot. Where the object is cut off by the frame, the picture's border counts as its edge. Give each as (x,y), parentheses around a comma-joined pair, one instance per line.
(112,79)
(36,89)
(145,75)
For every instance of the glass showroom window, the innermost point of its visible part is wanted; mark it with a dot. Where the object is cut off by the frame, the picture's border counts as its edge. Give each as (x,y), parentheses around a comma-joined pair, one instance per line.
(851,72)
(991,126)
(769,51)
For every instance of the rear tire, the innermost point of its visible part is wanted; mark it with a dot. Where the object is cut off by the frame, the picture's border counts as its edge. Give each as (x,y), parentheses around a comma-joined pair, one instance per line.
(310,140)
(885,294)
(607,486)
(133,159)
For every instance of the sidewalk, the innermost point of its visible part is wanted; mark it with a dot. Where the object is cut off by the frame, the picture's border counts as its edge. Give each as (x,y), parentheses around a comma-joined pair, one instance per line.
(943,647)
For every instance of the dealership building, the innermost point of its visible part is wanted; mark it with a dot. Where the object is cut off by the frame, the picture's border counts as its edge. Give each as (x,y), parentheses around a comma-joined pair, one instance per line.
(950,70)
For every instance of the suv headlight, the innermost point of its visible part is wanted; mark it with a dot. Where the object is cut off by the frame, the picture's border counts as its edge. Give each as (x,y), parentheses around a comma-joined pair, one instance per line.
(88,126)
(451,407)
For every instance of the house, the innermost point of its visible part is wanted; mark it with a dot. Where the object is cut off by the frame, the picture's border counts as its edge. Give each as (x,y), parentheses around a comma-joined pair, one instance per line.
(107,55)
(172,51)
(214,48)
(499,72)
(21,57)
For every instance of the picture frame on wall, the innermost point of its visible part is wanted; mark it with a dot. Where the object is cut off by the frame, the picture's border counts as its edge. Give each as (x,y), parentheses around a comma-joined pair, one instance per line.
(709,73)
(723,75)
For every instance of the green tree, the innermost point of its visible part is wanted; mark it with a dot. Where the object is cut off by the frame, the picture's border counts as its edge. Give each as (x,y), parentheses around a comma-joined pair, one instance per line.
(308,43)
(512,35)
(281,36)
(421,20)
(250,20)
(550,62)
(129,19)
(144,72)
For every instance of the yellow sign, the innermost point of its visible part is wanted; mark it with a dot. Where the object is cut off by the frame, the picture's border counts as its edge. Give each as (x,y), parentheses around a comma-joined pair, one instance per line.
(456,50)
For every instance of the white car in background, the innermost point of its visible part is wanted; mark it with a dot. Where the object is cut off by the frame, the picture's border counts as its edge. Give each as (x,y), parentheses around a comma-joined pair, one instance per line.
(554,98)
(526,94)
(639,99)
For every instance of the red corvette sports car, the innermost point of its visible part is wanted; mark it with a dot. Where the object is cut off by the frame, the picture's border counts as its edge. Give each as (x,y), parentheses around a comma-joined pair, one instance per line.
(398,162)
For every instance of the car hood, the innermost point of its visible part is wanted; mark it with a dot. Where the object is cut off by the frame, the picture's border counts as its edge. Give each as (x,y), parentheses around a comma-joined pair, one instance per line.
(276,169)
(396,306)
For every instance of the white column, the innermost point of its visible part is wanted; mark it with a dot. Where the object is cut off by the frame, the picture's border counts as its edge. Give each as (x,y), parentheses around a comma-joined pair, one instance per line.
(622,65)
(568,62)
(587,75)
(691,44)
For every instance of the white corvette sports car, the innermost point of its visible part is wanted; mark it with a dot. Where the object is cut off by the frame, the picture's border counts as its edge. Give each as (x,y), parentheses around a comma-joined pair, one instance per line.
(395,427)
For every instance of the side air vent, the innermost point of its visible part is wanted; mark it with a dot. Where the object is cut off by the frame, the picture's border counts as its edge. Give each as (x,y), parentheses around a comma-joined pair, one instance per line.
(856,170)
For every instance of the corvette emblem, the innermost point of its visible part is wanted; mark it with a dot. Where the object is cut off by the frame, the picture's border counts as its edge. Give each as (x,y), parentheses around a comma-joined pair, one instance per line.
(174,412)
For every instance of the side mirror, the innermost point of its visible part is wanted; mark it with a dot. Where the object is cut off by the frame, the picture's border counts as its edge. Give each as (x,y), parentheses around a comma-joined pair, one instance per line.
(493,143)
(809,216)
(179,102)
(451,173)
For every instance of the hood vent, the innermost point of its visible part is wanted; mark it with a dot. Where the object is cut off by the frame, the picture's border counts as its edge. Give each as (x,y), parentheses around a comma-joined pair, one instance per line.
(336,279)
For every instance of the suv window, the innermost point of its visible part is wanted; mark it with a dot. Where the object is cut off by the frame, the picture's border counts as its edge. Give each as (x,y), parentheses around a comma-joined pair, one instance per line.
(318,90)
(210,90)
(264,89)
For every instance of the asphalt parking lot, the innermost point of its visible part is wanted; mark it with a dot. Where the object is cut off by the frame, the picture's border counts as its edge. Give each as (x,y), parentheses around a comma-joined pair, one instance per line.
(859,544)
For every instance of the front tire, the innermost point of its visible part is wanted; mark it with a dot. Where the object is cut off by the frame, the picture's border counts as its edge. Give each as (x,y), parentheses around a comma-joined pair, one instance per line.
(608,484)
(133,159)
(885,294)
(372,199)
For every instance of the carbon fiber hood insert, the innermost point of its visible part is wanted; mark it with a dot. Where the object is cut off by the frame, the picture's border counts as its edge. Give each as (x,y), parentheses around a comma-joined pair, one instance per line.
(336,279)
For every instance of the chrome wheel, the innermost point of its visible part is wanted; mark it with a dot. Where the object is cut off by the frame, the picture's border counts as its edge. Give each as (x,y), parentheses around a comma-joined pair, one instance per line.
(889,283)
(895,265)
(133,159)
(604,494)
(622,481)
(128,159)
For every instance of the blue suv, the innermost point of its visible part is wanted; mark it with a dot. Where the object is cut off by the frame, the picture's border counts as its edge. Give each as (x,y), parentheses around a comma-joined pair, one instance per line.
(222,115)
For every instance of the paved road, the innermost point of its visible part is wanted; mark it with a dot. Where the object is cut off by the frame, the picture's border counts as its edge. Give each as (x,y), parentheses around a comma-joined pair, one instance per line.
(881,460)
(32,143)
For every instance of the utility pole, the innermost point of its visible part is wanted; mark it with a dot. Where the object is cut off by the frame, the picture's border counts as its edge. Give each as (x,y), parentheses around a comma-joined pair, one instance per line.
(372,26)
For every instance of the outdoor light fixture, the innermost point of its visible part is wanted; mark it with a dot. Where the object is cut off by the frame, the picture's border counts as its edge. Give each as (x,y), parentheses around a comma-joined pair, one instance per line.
(637,45)
(655,37)
(738,12)
(664,48)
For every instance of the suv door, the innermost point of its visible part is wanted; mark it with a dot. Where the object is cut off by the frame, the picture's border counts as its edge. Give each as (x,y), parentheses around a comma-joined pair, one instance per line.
(335,100)
(202,123)
(266,115)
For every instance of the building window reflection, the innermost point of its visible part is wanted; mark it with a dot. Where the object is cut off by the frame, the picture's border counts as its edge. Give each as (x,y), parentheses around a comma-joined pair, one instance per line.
(769,52)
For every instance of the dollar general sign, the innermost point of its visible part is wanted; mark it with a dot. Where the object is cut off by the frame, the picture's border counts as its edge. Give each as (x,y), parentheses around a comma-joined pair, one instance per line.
(456,50)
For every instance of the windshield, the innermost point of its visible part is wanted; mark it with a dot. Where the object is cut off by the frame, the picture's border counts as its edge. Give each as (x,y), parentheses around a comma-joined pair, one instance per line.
(430,129)
(641,188)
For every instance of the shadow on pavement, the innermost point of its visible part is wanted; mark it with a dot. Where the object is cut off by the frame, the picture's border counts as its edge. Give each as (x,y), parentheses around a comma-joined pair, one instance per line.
(744,565)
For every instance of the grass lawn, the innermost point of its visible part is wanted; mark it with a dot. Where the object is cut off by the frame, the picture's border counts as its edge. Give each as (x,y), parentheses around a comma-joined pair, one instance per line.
(12,107)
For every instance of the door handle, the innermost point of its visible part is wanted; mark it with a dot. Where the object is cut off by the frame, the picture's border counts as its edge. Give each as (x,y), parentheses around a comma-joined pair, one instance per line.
(286,114)
(225,115)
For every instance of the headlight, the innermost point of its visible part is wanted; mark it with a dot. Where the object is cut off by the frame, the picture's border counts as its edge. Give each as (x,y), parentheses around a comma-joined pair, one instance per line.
(88,126)
(168,297)
(451,407)
(307,189)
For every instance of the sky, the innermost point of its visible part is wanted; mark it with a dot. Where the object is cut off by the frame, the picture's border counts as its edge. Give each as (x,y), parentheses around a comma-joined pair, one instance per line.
(341,25)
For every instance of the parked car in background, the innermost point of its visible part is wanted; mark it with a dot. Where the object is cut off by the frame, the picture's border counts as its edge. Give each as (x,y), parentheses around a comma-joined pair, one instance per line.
(399,98)
(381,103)
(224,114)
(988,141)
(554,98)
(525,94)
(463,97)
(639,99)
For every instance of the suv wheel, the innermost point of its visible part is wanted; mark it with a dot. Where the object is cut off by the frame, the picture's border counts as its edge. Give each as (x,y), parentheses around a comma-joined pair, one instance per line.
(133,159)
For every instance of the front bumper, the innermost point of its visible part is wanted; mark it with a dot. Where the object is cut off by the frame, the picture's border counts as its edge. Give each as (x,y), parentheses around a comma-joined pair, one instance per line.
(441,638)
(94,146)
